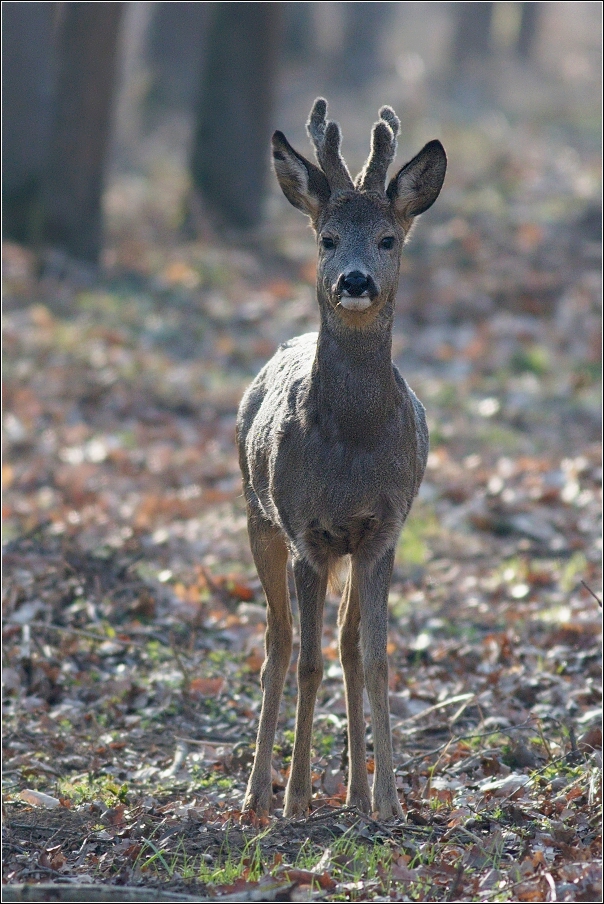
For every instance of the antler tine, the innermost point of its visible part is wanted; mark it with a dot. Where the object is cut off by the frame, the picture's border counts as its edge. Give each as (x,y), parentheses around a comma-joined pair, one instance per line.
(317,124)
(389,116)
(326,137)
(383,148)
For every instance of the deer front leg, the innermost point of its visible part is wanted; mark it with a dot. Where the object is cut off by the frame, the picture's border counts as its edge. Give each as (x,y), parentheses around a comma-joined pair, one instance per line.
(310,588)
(270,555)
(374,582)
(349,620)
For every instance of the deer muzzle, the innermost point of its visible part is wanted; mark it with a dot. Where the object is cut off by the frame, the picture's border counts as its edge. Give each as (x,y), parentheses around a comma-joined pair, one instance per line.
(355,290)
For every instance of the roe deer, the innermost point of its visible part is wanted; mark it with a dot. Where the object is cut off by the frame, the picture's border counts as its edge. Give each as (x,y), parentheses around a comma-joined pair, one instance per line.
(333,447)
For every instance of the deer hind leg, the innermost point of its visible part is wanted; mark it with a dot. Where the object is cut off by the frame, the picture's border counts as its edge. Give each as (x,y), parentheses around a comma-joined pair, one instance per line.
(310,588)
(374,582)
(270,555)
(349,621)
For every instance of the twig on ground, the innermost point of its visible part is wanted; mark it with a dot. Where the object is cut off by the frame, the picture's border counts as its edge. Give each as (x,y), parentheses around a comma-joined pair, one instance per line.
(507,888)
(55,891)
(595,596)
(531,778)
(91,635)
(28,534)
(456,886)
(431,709)
(186,672)
(211,740)
(469,737)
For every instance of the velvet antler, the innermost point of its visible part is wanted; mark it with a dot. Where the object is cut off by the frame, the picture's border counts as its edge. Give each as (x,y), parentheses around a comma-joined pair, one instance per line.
(326,137)
(383,148)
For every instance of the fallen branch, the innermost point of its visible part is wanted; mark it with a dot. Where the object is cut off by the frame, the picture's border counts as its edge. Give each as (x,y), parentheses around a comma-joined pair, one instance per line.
(92,635)
(432,709)
(595,596)
(54,891)
(468,737)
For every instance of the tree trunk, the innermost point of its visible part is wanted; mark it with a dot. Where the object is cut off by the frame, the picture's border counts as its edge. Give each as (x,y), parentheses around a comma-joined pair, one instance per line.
(176,43)
(86,45)
(298,32)
(230,158)
(472,40)
(361,57)
(529,29)
(27,90)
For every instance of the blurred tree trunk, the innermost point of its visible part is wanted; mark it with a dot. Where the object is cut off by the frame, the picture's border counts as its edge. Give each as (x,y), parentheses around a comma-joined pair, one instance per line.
(298,33)
(360,59)
(176,42)
(529,29)
(472,39)
(229,162)
(132,84)
(87,35)
(27,93)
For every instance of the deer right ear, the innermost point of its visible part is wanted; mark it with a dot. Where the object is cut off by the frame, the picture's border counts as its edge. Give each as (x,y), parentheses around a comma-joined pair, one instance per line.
(416,186)
(303,184)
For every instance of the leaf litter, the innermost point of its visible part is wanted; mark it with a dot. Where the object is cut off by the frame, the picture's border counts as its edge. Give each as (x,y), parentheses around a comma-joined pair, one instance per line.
(134,620)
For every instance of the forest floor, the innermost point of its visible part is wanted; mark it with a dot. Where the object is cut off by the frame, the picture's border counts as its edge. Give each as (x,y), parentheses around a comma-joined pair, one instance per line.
(133,617)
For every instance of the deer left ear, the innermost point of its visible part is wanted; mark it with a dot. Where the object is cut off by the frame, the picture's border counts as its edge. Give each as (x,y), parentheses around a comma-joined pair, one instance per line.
(303,184)
(417,185)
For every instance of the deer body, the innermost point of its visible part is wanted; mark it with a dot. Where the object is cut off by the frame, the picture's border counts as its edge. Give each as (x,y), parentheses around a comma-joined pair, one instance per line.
(333,447)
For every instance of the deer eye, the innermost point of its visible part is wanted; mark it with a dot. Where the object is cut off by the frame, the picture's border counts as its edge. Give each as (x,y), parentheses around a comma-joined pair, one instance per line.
(387,242)
(328,242)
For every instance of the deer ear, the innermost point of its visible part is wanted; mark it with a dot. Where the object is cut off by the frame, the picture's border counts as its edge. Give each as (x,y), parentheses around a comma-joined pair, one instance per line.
(303,184)
(417,185)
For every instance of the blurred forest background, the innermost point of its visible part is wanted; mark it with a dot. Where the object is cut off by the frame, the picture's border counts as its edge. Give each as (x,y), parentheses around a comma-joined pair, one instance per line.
(150,267)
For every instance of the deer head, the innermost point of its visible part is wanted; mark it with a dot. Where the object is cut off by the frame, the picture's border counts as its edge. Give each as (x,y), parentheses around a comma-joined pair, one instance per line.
(360,225)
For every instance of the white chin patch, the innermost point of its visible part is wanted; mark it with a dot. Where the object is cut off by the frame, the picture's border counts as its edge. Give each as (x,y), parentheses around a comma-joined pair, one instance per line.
(355,304)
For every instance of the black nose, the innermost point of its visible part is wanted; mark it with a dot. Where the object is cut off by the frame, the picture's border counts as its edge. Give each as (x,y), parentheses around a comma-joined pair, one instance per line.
(355,284)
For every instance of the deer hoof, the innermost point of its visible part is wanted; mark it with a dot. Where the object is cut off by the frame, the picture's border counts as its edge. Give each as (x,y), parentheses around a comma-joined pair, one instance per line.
(388,808)
(359,800)
(296,805)
(259,801)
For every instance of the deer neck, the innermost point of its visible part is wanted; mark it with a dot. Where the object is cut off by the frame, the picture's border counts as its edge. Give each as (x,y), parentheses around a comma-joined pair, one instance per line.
(353,379)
